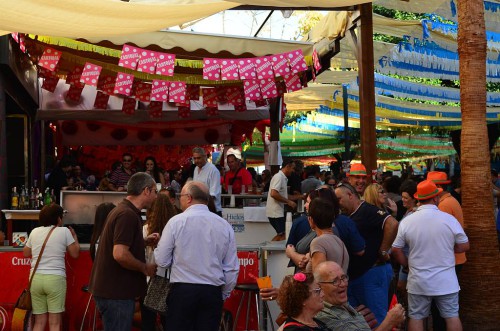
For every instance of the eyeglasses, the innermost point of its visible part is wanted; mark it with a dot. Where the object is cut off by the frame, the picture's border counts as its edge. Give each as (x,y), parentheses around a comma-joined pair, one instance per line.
(348,186)
(152,189)
(337,281)
(316,291)
(127,160)
(381,191)
(181,195)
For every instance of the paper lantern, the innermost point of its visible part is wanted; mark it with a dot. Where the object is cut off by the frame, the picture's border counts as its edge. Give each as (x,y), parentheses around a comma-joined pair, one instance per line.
(119,134)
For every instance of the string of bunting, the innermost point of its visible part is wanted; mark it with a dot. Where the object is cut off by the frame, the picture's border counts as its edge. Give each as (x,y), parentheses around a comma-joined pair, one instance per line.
(256,74)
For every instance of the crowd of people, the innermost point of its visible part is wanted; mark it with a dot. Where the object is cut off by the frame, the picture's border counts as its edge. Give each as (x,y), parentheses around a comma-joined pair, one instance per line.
(354,242)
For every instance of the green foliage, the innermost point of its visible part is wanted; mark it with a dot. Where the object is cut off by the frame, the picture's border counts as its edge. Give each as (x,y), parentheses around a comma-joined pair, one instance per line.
(308,20)
(398,14)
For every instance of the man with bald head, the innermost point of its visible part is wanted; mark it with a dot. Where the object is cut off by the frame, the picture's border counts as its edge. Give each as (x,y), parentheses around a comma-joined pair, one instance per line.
(337,314)
(200,248)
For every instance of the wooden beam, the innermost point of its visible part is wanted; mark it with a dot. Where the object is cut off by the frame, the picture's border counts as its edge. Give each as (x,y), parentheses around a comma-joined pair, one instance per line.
(367,88)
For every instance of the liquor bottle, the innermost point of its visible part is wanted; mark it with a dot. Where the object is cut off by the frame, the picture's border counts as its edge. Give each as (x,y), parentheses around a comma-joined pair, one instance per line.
(39,199)
(22,198)
(14,201)
(53,196)
(32,199)
(47,200)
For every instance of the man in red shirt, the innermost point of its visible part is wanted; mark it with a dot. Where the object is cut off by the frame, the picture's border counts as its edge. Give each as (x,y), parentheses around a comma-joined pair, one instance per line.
(237,175)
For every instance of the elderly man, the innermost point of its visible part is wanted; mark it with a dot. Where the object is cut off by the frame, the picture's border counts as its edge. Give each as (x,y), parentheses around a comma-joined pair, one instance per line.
(119,271)
(370,273)
(207,173)
(358,178)
(432,237)
(337,314)
(237,176)
(277,197)
(200,248)
(119,178)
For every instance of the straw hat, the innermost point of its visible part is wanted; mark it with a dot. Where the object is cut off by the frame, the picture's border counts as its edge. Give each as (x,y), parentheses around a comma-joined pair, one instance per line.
(427,190)
(357,169)
(438,177)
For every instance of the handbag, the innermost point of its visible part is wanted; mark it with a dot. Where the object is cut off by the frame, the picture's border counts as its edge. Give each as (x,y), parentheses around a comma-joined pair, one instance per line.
(156,296)
(24,300)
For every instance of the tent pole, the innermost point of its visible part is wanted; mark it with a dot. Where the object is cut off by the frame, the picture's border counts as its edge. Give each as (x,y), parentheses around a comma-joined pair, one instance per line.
(274,116)
(367,89)
(347,142)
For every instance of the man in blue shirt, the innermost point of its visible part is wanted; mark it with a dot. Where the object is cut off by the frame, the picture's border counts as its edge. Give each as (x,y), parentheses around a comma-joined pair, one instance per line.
(200,248)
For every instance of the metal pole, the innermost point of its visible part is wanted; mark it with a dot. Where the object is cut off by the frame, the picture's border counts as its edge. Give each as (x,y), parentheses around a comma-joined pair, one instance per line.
(347,141)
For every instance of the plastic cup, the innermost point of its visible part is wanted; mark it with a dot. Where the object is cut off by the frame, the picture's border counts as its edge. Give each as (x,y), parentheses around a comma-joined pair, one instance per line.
(264,282)
(230,189)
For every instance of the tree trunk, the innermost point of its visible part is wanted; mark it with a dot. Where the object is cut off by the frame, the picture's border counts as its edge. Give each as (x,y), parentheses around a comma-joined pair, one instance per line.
(480,295)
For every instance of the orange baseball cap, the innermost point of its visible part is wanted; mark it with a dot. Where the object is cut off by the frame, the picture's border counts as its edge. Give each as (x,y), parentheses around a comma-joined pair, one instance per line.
(357,169)
(427,190)
(438,177)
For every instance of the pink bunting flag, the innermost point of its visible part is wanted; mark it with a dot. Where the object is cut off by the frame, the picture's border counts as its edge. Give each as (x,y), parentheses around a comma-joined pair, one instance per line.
(252,89)
(246,68)
(209,97)
(229,69)
(177,92)
(73,78)
(15,36)
(22,43)
(280,65)
(90,74)
(101,100)
(123,83)
(166,64)
(184,112)
(264,67)
(128,106)
(293,83)
(74,93)
(193,92)
(159,90)
(45,73)
(235,95)
(212,111)
(268,88)
(106,84)
(50,58)
(142,91)
(297,61)
(129,57)
(316,62)
(50,83)
(211,69)
(155,109)
(221,94)
(147,61)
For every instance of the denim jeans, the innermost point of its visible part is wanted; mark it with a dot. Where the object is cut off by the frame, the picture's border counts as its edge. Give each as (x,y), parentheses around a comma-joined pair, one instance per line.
(117,315)
(278,224)
(371,290)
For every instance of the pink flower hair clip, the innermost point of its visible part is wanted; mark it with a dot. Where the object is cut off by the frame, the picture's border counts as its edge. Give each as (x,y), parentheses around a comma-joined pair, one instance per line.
(300,277)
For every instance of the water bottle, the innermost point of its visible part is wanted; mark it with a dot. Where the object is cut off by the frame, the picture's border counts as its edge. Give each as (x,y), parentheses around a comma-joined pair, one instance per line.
(288,224)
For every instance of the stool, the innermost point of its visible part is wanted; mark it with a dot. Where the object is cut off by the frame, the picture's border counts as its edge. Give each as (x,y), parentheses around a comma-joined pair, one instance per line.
(248,290)
(85,288)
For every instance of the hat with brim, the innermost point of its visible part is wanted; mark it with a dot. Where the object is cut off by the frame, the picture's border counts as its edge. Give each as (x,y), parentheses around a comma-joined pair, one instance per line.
(357,169)
(427,190)
(438,177)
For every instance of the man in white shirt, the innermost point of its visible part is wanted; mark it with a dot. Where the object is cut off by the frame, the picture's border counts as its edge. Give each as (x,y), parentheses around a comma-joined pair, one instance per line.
(277,197)
(432,237)
(207,173)
(200,248)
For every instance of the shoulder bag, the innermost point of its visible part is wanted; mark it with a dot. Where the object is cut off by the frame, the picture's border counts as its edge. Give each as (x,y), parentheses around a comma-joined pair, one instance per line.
(24,301)
(158,289)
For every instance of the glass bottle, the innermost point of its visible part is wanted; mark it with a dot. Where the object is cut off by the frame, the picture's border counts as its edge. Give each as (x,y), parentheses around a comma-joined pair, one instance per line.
(14,201)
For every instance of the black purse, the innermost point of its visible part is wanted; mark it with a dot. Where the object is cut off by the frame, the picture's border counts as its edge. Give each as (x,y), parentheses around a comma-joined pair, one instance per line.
(156,296)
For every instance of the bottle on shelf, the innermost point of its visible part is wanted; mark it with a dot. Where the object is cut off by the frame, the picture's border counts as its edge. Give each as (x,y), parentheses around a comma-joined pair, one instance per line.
(14,201)
(22,198)
(53,196)
(47,200)
(32,203)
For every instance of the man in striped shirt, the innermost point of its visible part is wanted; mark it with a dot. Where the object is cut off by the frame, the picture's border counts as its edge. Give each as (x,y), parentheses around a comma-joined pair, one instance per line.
(119,178)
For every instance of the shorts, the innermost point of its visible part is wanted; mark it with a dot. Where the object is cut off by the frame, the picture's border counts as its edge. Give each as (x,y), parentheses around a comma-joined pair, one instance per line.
(419,306)
(48,293)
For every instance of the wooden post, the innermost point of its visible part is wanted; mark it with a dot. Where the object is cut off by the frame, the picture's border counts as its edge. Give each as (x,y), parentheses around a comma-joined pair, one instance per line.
(274,116)
(367,89)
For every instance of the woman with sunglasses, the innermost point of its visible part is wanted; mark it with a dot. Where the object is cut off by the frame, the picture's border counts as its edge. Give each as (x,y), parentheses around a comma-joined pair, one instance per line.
(376,195)
(300,298)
